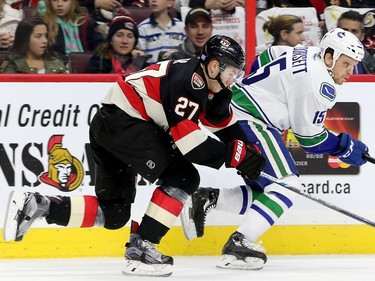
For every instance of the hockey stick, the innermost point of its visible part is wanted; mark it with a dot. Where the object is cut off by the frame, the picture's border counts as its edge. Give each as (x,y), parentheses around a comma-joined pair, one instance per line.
(369,158)
(320,201)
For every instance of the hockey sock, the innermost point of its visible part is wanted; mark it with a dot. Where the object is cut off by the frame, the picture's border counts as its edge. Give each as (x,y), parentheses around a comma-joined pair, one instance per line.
(230,199)
(266,209)
(161,214)
(77,211)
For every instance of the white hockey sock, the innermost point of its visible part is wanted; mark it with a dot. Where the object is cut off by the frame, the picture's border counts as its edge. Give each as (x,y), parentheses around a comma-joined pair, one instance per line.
(266,209)
(230,199)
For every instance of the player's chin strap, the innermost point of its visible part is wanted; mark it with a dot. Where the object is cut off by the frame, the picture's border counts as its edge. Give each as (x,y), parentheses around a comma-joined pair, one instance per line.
(217,78)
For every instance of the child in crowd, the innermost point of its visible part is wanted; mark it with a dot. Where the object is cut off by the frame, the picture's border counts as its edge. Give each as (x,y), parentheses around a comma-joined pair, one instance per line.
(160,32)
(71,29)
(30,52)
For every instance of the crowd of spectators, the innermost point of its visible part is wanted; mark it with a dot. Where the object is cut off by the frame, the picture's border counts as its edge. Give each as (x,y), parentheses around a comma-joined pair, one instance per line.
(120,44)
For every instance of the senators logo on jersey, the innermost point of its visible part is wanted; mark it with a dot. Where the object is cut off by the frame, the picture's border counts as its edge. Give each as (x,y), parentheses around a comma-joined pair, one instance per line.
(197,81)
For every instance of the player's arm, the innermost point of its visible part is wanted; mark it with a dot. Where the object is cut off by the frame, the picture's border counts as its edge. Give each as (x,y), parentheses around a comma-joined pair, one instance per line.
(219,118)
(347,148)
(202,149)
(308,127)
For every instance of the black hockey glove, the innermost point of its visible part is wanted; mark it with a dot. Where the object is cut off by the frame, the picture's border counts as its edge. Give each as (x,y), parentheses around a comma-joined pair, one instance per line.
(246,158)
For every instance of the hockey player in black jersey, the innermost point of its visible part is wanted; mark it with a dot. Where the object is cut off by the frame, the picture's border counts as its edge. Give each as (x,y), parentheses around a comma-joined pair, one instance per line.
(148,124)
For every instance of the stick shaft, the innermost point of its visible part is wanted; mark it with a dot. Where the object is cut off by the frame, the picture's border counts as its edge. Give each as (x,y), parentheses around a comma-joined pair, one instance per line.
(369,158)
(317,200)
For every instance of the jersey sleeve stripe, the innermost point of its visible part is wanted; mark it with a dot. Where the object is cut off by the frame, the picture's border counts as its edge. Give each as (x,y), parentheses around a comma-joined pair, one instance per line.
(187,135)
(217,127)
(134,100)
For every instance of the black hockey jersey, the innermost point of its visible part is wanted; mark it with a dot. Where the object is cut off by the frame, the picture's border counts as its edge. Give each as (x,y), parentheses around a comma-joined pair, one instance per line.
(174,95)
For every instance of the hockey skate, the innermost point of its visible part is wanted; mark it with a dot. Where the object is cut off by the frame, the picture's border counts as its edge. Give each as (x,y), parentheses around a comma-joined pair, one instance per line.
(239,253)
(142,258)
(22,211)
(196,208)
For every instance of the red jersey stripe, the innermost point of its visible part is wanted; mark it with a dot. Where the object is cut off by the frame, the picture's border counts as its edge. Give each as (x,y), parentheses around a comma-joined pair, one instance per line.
(183,129)
(134,99)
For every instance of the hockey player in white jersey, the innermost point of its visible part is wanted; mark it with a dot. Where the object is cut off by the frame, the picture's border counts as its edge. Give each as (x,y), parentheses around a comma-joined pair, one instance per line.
(292,89)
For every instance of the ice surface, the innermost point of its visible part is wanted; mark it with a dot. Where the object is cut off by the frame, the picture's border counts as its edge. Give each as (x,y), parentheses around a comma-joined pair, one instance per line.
(280,268)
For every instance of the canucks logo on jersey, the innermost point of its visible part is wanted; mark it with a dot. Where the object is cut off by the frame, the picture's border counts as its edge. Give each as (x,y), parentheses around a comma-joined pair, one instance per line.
(328,91)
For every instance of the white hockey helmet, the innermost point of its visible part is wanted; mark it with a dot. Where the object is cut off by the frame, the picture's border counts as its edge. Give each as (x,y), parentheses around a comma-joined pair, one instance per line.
(342,42)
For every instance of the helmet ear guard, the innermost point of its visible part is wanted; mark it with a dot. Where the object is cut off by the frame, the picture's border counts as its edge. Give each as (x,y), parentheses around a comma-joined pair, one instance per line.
(342,42)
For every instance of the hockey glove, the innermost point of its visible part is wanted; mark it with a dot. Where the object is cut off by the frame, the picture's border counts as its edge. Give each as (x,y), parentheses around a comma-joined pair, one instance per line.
(351,150)
(246,158)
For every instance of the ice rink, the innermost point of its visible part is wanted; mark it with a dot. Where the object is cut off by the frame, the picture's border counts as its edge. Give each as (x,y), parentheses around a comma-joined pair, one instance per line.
(280,268)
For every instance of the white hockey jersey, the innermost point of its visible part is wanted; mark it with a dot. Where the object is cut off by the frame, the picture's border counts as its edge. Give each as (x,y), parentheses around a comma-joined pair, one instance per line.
(292,88)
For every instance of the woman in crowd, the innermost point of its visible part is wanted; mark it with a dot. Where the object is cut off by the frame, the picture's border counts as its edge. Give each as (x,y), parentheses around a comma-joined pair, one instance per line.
(30,52)
(285,30)
(119,55)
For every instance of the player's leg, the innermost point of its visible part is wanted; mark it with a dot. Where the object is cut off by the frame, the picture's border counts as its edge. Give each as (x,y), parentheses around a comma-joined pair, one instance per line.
(234,200)
(270,201)
(115,190)
(25,208)
(165,205)
(149,151)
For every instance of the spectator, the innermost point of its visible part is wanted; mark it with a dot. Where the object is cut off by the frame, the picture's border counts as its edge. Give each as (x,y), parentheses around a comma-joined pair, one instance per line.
(118,54)
(9,19)
(286,30)
(369,29)
(369,41)
(352,21)
(160,32)
(71,30)
(198,29)
(319,6)
(30,52)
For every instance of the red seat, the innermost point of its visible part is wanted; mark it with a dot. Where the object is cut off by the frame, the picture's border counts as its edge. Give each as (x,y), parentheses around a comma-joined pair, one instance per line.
(79,61)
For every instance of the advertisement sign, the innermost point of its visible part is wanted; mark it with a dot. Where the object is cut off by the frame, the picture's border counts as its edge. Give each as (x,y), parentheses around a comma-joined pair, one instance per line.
(343,117)
(44,147)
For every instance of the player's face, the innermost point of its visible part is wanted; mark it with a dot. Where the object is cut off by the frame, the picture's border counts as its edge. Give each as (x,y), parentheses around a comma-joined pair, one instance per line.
(227,76)
(343,69)
(230,74)
(198,32)
(123,42)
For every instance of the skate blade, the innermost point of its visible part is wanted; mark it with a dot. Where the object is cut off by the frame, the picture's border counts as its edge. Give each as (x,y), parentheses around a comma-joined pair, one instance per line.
(231,262)
(137,268)
(187,223)
(15,203)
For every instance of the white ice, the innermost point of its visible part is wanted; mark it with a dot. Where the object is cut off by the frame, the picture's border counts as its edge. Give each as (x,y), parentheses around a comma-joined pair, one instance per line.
(196,268)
